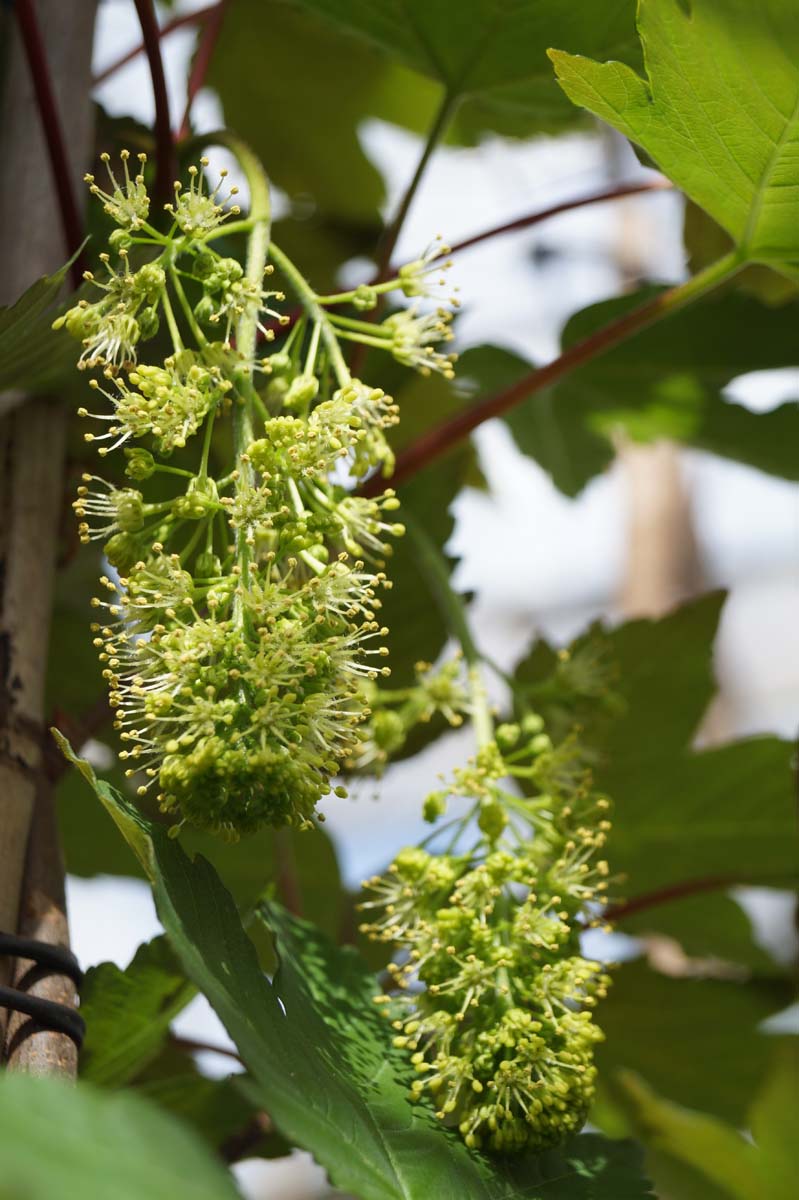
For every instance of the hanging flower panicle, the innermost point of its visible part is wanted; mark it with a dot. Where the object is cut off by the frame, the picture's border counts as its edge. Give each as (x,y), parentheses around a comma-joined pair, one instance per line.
(241,640)
(491,997)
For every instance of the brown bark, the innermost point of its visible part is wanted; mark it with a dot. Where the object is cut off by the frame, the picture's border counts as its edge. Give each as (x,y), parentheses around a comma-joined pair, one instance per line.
(33,432)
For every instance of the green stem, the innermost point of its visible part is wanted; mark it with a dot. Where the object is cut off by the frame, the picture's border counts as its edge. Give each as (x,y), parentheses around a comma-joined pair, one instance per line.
(450,604)
(442,118)
(453,610)
(260,220)
(199,336)
(174,332)
(310,302)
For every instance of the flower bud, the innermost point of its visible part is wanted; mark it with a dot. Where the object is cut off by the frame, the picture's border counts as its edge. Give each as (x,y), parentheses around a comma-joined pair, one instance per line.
(140,464)
(123,551)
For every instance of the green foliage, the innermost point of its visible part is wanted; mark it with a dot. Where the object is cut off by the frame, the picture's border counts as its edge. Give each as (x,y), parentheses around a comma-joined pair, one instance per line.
(665,382)
(315,1045)
(731,148)
(693,1039)
(656,680)
(31,357)
(60,1140)
(493,58)
(724,1161)
(128,1013)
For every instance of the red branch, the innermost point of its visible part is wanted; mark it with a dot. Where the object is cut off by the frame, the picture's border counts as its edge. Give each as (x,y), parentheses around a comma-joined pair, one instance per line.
(53,133)
(193,18)
(675,891)
(202,61)
(613,193)
(443,437)
(165,149)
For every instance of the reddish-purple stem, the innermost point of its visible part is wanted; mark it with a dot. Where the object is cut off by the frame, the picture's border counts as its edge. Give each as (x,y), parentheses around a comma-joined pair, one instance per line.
(443,437)
(53,134)
(675,891)
(193,18)
(202,61)
(165,148)
(543,214)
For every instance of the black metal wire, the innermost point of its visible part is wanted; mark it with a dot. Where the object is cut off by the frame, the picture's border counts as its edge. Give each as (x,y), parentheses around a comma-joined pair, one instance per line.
(47,1014)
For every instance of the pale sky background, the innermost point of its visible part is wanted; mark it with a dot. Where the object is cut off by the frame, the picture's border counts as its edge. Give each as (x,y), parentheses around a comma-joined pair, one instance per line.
(535,559)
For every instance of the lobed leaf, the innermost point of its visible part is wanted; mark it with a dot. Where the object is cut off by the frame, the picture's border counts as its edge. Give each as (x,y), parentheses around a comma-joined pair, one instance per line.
(718,110)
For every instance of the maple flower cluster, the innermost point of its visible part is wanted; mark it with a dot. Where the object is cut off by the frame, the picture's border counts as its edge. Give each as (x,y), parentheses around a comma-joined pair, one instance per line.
(239,629)
(491,997)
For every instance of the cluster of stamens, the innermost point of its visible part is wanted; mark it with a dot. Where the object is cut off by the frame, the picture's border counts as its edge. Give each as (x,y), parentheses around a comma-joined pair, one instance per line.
(491,998)
(240,639)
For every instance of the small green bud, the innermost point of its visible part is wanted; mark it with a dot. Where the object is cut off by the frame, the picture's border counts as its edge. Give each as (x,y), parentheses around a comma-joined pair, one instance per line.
(204,263)
(149,322)
(532,723)
(492,819)
(123,551)
(365,298)
(140,464)
(507,736)
(119,239)
(204,309)
(388,730)
(301,392)
(434,806)
(207,565)
(280,362)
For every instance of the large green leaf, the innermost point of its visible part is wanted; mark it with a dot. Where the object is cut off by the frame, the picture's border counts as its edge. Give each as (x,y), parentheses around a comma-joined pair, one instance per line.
(332,65)
(718,1153)
(490,53)
(694,1040)
(301,116)
(128,1013)
(57,1140)
(322,1058)
(666,381)
(718,112)
(678,814)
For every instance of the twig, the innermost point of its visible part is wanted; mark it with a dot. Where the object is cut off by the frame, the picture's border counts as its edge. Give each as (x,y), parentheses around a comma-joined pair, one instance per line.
(71,221)
(389,240)
(241,1144)
(442,438)
(165,149)
(675,891)
(197,17)
(202,61)
(195,1047)
(613,193)
(386,245)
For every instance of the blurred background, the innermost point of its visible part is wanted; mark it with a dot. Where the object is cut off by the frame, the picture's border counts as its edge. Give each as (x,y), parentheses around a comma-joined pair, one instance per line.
(656,526)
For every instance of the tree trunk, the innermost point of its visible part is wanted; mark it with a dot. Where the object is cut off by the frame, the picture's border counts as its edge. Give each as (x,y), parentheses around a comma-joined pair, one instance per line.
(32,437)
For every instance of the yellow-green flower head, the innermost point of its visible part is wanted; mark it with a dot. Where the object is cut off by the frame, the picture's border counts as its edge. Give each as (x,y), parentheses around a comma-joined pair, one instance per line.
(426,275)
(494,998)
(128,203)
(197,213)
(241,717)
(167,403)
(414,336)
